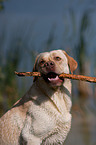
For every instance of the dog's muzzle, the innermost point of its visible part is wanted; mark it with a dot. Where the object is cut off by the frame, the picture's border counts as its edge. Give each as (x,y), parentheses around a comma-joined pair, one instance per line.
(49,74)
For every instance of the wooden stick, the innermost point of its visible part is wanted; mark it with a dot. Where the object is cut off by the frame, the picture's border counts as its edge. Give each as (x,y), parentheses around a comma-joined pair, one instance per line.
(79,77)
(63,75)
(34,74)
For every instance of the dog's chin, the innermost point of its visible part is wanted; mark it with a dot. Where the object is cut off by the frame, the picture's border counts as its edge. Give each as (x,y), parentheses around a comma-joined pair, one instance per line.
(53,79)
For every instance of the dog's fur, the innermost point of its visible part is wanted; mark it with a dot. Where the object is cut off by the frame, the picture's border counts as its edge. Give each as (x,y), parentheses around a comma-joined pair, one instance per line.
(42,115)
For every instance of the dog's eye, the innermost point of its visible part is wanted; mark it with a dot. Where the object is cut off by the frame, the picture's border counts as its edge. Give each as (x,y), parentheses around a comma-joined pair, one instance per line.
(42,62)
(57,58)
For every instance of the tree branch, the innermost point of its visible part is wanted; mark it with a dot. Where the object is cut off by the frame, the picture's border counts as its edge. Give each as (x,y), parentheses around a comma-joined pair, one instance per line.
(63,75)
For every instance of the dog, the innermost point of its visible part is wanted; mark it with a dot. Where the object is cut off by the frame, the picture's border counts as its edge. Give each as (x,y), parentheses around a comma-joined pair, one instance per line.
(42,116)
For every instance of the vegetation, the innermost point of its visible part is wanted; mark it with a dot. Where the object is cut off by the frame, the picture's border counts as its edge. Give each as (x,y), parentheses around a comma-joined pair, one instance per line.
(1,5)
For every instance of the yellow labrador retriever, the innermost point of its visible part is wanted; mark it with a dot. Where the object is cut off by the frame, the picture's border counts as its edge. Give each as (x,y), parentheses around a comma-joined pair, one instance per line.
(42,115)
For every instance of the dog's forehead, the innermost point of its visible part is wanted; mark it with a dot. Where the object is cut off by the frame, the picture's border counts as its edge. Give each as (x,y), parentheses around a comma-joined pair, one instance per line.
(52,54)
(57,52)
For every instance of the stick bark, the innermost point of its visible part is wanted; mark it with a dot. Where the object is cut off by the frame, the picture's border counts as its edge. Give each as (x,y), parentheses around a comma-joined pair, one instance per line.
(63,75)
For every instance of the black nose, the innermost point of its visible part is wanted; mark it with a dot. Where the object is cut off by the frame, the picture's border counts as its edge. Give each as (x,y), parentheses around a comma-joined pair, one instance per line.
(49,64)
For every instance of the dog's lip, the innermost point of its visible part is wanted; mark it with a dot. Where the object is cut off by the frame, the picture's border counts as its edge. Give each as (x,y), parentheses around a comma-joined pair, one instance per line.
(52,77)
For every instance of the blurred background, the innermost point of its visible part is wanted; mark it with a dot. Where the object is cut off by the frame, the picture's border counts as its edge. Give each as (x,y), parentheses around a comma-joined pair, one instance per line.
(30,27)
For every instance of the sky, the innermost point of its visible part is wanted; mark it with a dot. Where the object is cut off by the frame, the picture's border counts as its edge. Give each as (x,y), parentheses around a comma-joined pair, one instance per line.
(36,19)
(45,6)
(36,7)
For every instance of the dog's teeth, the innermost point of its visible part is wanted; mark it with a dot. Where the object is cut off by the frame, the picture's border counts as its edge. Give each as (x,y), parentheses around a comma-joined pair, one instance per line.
(53,79)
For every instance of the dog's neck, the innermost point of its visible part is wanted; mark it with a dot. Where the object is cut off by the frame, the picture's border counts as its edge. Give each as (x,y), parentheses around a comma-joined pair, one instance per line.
(62,92)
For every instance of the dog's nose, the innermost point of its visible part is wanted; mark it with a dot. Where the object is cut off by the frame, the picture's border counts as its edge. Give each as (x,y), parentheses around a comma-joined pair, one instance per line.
(49,64)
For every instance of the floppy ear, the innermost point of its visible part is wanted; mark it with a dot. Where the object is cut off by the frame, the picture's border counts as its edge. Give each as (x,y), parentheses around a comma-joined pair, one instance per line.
(72,62)
(35,68)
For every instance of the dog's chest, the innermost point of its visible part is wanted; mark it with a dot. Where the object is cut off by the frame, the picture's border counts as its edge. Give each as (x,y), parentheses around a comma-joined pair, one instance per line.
(48,116)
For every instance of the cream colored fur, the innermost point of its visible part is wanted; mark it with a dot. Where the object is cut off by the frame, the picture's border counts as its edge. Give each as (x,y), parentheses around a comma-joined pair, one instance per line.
(42,115)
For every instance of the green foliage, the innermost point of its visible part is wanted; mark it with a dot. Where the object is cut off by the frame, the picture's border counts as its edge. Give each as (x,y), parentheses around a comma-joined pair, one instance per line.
(1,5)
(81,46)
(8,89)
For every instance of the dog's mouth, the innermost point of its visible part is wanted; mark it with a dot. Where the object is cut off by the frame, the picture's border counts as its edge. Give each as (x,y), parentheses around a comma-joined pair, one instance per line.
(53,78)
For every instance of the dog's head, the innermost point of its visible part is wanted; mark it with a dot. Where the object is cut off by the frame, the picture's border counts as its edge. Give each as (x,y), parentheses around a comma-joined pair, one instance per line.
(51,64)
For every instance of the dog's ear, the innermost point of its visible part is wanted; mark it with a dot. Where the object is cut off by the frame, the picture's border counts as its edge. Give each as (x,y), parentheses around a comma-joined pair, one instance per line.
(72,62)
(35,68)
